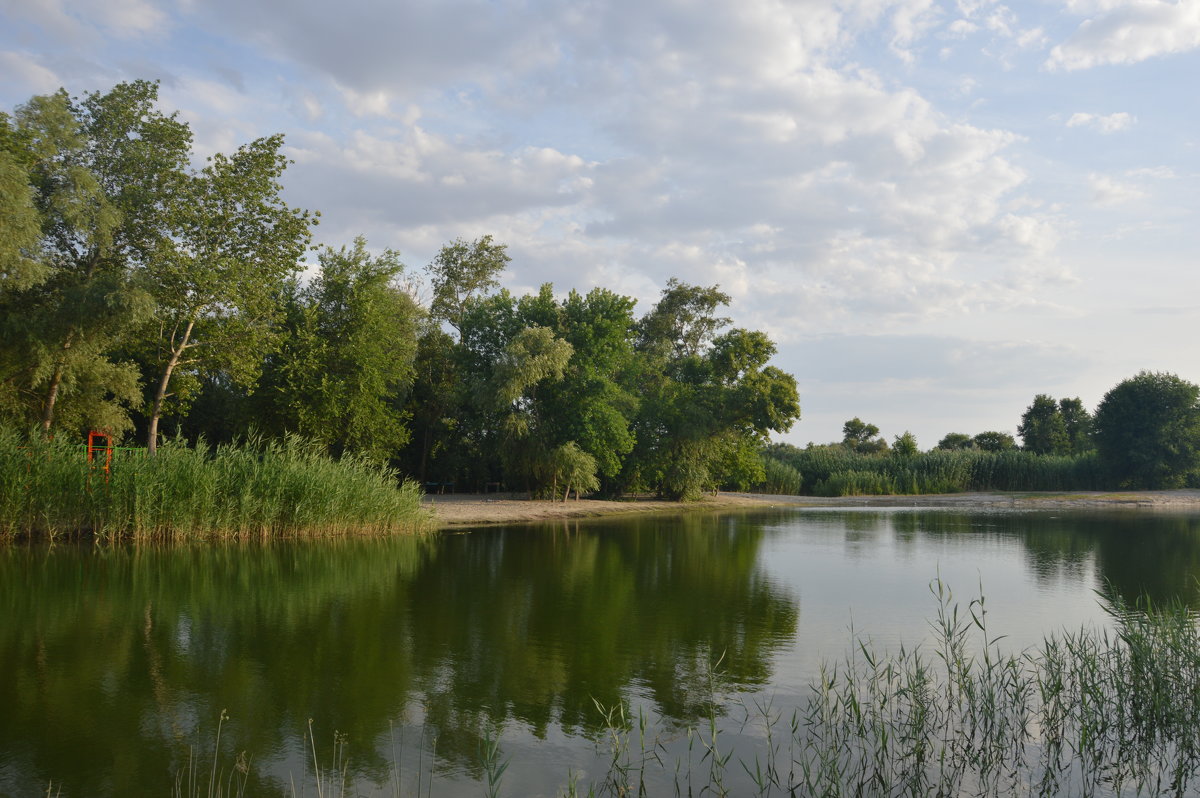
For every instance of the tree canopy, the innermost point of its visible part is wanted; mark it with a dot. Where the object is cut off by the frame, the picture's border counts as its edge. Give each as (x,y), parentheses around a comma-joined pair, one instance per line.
(1147,431)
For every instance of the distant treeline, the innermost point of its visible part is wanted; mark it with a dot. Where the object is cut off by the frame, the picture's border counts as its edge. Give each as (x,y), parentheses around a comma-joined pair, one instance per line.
(1145,434)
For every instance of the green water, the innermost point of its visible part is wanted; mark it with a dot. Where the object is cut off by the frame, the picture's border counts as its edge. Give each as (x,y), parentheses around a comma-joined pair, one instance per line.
(116,664)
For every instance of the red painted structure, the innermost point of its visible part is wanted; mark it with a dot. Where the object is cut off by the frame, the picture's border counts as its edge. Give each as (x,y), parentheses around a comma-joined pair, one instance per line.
(99,444)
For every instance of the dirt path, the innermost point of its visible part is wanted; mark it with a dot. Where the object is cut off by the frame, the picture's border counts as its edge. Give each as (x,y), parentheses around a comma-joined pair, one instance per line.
(461,509)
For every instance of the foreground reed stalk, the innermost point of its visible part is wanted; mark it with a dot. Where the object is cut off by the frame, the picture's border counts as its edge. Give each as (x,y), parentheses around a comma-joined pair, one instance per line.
(278,488)
(1087,713)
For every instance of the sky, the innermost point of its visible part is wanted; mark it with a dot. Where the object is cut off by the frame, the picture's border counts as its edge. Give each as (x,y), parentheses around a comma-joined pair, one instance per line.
(936,209)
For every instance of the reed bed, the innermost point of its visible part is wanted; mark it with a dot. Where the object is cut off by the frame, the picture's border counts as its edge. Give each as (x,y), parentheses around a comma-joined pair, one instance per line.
(1094,712)
(835,471)
(256,488)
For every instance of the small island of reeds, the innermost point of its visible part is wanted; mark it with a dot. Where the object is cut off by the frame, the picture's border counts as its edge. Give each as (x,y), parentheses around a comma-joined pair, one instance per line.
(252,489)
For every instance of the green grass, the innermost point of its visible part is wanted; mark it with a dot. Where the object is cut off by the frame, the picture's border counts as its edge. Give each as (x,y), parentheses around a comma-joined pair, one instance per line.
(279,488)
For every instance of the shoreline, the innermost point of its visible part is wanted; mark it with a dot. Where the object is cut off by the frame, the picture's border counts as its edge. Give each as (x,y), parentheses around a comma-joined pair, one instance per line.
(475,509)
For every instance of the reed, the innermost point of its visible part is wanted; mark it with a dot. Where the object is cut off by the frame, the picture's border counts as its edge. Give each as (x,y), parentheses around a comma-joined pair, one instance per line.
(837,471)
(1091,712)
(256,488)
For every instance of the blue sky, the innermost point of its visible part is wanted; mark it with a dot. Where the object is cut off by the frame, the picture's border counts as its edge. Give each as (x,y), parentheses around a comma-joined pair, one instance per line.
(937,209)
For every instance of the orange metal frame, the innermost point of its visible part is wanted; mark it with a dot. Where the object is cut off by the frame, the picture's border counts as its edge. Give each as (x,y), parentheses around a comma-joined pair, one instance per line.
(94,447)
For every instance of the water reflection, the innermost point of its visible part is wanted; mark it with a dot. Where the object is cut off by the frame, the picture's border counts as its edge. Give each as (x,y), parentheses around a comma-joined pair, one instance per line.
(116,661)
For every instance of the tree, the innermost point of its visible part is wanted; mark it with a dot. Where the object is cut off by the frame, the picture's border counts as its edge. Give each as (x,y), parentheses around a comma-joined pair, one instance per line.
(992,441)
(103,172)
(461,273)
(1042,428)
(533,358)
(684,319)
(1078,423)
(1147,431)
(905,445)
(346,363)
(956,441)
(704,396)
(217,281)
(859,436)
(20,264)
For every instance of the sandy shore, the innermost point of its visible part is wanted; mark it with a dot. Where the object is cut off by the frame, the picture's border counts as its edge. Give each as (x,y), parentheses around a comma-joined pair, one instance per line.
(462,509)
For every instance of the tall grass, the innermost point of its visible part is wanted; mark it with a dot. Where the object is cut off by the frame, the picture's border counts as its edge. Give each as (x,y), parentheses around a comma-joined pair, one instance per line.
(1087,713)
(257,488)
(837,471)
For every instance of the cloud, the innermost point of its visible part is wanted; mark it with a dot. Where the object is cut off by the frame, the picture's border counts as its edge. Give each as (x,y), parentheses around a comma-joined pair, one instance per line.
(24,70)
(1111,123)
(1107,191)
(1129,32)
(88,20)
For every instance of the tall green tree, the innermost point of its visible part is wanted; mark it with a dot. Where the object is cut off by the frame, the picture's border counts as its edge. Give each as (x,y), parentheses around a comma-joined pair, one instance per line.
(103,170)
(345,366)
(1078,423)
(956,441)
(705,396)
(1042,428)
(594,404)
(859,436)
(21,266)
(994,441)
(217,281)
(905,445)
(461,273)
(1147,431)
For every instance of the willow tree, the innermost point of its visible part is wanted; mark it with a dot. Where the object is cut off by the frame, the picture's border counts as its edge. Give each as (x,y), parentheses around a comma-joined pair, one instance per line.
(533,358)
(218,281)
(101,172)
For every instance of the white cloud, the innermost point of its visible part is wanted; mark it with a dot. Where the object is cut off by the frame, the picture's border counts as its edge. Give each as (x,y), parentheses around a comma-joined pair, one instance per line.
(1128,32)
(1107,191)
(1111,123)
(23,70)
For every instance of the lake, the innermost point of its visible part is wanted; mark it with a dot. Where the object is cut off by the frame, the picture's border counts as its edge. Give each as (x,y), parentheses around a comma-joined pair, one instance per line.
(399,660)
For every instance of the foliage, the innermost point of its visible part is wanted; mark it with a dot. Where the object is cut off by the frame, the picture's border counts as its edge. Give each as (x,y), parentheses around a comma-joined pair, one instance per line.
(346,359)
(274,488)
(1078,422)
(1042,428)
(954,441)
(836,471)
(101,172)
(461,273)
(992,441)
(861,437)
(780,478)
(905,445)
(1147,431)
(216,282)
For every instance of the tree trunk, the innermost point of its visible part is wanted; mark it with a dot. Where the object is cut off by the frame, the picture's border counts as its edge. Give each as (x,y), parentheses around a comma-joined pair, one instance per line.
(52,392)
(51,398)
(161,393)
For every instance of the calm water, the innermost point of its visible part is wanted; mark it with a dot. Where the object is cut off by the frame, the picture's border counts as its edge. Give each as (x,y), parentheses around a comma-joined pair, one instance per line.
(115,664)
